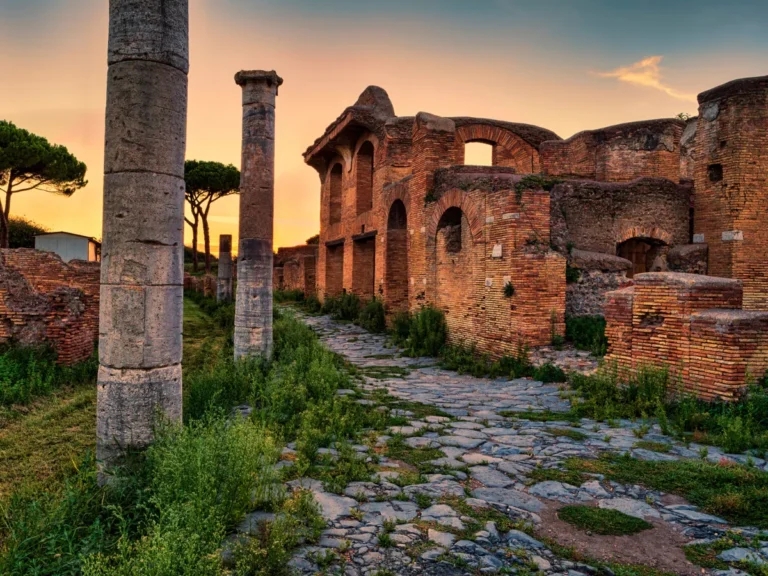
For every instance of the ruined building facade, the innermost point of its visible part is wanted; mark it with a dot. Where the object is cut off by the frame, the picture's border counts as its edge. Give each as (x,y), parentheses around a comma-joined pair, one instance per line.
(404,220)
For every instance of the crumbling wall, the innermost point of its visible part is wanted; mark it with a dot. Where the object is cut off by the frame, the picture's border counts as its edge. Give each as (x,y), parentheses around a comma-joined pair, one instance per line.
(597,274)
(45,300)
(597,216)
(295,268)
(619,153)
(692,324)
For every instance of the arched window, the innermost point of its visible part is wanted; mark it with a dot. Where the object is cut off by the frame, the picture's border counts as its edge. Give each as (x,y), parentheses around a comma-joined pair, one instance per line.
(450,227)
(478,154)
(335,195)
(364,170)
(397,258)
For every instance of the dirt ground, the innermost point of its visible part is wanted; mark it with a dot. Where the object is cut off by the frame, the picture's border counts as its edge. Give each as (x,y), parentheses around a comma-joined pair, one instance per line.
(659,547)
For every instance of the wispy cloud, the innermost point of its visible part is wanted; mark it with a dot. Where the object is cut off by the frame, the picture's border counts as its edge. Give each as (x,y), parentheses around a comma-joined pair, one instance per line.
(646,72)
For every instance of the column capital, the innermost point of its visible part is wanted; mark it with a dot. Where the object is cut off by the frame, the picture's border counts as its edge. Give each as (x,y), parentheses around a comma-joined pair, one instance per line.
(270,78)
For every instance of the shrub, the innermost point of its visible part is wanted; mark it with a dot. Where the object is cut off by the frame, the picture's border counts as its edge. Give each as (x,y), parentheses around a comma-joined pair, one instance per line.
(288,295)
(372,316)
(587,333)
(509,290)
(344,307)
(203,478)
(427,333)
(312,304)
(465,360)
(401,328)
(549,373)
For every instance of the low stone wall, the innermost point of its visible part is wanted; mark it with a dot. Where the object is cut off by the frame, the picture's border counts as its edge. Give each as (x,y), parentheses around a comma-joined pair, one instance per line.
(598,275)
(296,268)
(45,300)
(692,324)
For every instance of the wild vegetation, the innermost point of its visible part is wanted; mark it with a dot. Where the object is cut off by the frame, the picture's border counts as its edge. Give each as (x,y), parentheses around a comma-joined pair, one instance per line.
(172,505)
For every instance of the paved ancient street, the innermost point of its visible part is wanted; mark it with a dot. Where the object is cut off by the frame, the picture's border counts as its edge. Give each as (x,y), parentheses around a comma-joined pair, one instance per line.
(487,460)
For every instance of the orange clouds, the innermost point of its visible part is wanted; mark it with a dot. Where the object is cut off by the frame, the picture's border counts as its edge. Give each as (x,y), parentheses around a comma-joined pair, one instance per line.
(646,72)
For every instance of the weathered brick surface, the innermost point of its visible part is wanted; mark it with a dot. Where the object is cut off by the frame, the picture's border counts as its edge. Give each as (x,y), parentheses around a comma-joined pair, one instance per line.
(692,324)
(597,216)
(617,153)
(295,268)
(731,179)
(43,299)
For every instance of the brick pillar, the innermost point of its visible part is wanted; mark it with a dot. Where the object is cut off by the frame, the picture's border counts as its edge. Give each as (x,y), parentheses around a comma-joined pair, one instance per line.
(253,308)
(731,184)
(141,304)
(434,146)
(224,283)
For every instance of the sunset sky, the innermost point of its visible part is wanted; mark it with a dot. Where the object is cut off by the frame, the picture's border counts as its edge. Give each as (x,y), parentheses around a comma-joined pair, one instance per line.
(567,65)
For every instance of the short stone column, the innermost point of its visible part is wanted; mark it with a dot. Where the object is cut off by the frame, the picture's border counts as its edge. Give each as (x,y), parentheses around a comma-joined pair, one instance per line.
(224,283)
(142,277)
(253,307)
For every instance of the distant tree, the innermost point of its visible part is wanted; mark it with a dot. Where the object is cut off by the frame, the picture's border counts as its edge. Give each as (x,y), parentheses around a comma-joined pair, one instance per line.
(206,183)
(314,239)
(30,162)
(22,232)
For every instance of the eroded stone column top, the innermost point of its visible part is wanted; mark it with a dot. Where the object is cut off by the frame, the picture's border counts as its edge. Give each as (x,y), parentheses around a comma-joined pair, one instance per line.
(270,78)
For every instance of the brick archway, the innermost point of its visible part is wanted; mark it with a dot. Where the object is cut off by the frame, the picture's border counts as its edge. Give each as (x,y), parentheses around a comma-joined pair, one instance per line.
(396,258)
(643,232)
(456,199)
(509,149)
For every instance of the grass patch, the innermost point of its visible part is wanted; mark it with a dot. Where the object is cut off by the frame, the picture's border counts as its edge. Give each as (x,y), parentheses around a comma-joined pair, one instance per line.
(571,477)
(384,372)
(543,416)
(567,433)
(653,446)
(737,493)
(602,521)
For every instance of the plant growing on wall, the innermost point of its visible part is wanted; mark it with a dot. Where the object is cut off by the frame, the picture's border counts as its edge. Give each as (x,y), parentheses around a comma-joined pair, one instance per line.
(509,290)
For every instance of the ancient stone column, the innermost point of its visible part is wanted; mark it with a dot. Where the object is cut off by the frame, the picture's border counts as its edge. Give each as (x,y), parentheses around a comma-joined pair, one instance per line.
(143,252)
(224,284)
(253,306)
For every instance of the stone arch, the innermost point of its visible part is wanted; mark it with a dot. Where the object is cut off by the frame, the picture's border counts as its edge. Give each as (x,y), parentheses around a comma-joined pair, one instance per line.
(335,187)
(364,166)
(456,199)
(509,149)
(396,272)
(645,247)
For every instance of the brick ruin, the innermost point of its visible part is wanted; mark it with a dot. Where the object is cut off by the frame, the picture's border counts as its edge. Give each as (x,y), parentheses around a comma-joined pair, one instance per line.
(44,299)
(694,325)
(403,219)
(295,268)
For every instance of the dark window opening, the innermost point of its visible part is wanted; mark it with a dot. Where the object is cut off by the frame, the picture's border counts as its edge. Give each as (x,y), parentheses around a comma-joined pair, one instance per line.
(364,169)
(335,195)
(715,172)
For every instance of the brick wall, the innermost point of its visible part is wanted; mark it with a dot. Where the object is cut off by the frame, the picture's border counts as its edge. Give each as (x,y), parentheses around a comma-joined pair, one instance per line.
(617,153)
(731,179)
(692,324)
(649,208)
(295,268)
(43,299)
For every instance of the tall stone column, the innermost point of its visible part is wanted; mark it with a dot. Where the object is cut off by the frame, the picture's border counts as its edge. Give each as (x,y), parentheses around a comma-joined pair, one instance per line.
(253,307)
(143,252)
(224,284)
